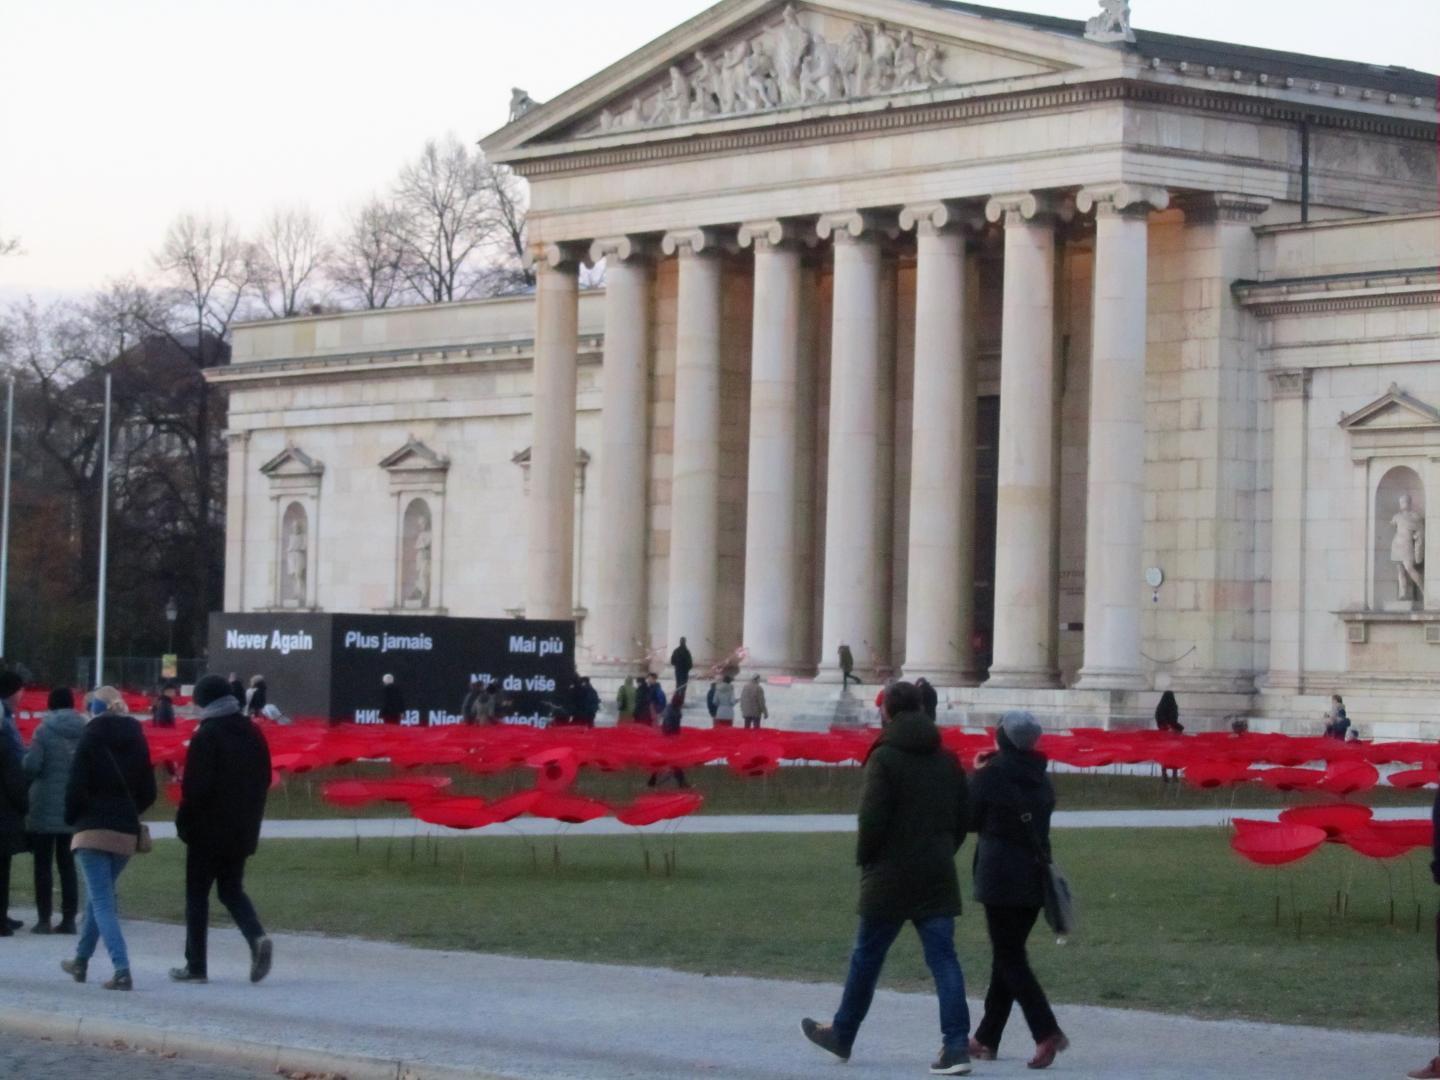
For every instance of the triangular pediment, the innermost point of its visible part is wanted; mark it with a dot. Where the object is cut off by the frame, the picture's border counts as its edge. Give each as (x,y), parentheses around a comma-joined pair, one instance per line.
(292,461)
(414,456)
(1397,410)
(748,59)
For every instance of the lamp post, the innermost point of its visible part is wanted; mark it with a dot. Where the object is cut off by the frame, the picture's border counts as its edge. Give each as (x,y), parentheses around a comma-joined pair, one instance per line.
(172,612)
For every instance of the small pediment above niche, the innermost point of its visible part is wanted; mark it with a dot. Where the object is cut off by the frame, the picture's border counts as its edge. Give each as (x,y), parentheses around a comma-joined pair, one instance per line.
(292,461)
(415,456)
(804,57)
(1395,411)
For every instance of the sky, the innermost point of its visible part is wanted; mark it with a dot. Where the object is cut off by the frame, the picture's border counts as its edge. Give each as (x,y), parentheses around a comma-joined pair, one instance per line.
(115,117)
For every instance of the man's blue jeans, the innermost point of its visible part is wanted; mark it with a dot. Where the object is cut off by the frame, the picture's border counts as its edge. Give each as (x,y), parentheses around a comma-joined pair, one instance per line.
(872,943)
(102,918)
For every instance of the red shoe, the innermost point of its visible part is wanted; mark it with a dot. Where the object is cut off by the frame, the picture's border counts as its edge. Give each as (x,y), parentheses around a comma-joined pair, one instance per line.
(1046,1051)
(1427,1072)
(980,1052)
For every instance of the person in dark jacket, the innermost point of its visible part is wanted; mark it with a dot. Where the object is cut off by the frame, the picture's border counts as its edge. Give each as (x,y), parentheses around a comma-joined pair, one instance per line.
(929,699)
(1011,800)
(912,822)
(14,802)
(111,784)
(682,662)
(1432,1070)
(1167,719)
(847,667)
(47,765)
(222,802)
(392,701)
(162,714)
(10,687)
(588,702)
(237,688)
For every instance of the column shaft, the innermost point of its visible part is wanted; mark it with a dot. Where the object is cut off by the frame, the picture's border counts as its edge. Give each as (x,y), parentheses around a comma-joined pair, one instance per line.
(1025,546)
(854,485)
(549,584)
(1115,491)
(695,491)
(939,608)
(773,566)
(1288,405)
(619,638)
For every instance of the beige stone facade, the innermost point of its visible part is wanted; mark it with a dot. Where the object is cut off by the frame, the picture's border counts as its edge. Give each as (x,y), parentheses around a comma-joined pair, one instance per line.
(992,346)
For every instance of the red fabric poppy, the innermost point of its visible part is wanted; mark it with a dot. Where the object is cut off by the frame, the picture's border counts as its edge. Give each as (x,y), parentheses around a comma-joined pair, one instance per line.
(1414,779)
(1374,845)
(1348,777)
(1214,774)
(1277,845)
(1412,832)
(454,812)
(556,768)
(648,809)
(512,806)
(572,809)
(1290,779)
(1335,818)
(756,758)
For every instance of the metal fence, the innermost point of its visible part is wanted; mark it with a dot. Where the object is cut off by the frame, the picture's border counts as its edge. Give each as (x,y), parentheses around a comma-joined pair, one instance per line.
(139,673)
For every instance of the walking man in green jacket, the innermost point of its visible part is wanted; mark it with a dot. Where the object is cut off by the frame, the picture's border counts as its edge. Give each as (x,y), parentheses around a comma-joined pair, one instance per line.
(912,823)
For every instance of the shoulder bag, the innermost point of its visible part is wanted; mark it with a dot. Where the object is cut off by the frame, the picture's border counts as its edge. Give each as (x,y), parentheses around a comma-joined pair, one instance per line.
(144,843)
(1059,899)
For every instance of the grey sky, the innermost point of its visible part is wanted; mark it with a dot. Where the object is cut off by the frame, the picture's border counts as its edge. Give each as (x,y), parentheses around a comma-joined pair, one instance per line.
(116,116)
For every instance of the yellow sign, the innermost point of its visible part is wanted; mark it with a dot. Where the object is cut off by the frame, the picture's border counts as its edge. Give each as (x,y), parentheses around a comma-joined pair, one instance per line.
(169,666)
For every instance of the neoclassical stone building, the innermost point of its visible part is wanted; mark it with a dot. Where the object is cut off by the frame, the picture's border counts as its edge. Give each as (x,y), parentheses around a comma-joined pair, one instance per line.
(1058,361)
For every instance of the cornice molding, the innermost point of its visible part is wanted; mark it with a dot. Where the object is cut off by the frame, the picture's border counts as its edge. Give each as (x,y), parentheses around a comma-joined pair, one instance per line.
(568,157)
(1344,292)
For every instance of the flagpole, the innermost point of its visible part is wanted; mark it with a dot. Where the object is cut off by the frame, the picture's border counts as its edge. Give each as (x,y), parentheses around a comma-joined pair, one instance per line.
(104,540)
(5,509)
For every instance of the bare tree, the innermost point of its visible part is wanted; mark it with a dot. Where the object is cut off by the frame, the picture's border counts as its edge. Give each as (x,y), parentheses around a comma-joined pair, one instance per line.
(367,261)
(289,255)
(507,270)
(445,224)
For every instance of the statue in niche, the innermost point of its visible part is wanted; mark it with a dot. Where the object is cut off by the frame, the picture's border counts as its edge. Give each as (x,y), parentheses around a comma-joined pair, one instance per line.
(423,542)
(416,556)
(1407,551)
(791,42)
(296,560)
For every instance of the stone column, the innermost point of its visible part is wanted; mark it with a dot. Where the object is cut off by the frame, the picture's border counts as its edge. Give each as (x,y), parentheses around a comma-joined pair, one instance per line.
(1027,512)
(695,490)
(773,566)
(856,490)
(549,580)
(1289,392)
(237,516)
(619,635)
(1115,491)
(941,592)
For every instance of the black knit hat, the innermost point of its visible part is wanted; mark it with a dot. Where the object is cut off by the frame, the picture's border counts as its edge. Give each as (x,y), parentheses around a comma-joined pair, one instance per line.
(10,683)
(210,689)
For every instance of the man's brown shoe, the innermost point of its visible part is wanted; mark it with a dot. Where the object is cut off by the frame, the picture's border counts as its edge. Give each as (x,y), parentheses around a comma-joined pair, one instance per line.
(823,1036)
(1427,1072)
(1047,1050)
(980,1052)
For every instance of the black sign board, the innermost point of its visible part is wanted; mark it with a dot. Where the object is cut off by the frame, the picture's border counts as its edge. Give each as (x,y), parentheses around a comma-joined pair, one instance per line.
(331,666)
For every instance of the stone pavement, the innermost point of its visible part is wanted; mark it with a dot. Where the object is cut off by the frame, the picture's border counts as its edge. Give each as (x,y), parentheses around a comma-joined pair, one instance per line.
(505,1017)
(24,1058)
(714,824)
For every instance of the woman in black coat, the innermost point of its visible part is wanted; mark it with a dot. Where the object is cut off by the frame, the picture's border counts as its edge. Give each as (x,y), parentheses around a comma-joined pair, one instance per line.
(111,784)
(1011,800)
(14,803)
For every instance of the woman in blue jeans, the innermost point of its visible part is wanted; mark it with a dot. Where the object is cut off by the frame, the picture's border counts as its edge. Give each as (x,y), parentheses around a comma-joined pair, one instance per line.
(111,784)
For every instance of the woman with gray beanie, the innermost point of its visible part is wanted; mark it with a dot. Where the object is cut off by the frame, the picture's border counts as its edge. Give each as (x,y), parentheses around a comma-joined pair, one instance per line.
(1011,800)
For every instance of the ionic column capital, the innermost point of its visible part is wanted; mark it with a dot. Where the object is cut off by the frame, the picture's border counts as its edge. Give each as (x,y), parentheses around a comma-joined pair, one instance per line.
(682,242)
(567,255)
(849,226)
(1020,207)
(623,248)
(945,217)
(1209,207)
(1131,200)
(1292,383)
(775,233)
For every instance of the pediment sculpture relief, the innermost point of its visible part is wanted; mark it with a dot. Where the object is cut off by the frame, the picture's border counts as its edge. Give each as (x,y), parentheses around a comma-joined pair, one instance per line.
(785,66)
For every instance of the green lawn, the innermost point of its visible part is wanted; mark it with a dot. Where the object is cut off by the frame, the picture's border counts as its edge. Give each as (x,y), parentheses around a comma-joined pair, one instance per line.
(1172,919)
(796,790)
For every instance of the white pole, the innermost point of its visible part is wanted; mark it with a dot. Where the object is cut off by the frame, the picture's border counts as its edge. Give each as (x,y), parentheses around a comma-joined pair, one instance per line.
(5,509)
(104,540)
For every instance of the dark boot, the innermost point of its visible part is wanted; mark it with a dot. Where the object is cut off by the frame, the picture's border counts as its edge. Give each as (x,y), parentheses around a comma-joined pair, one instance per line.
(823,1036)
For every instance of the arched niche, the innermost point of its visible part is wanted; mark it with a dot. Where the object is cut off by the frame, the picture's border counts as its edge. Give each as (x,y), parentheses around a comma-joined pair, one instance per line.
(294,557)
(417,547)
(1398,531)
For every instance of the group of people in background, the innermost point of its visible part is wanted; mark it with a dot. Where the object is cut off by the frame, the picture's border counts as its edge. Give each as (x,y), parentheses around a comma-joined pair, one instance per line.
(75,799)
